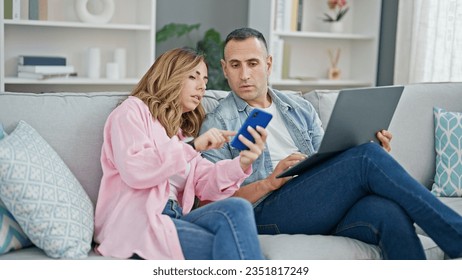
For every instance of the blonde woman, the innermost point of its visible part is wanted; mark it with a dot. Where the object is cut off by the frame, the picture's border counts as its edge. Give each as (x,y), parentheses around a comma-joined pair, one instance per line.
(151,175)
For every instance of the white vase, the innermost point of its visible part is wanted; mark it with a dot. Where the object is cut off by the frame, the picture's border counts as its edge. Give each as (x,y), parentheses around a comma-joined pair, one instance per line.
(336,26)
(112,71)
(120,57)
(93,63)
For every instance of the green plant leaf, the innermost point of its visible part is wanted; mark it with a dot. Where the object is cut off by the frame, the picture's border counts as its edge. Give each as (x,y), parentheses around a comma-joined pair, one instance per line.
(175,30)
(212,35)
(211,46)
(341,13)
(328,17)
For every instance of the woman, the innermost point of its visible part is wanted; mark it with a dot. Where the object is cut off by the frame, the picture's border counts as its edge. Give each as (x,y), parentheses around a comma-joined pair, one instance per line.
(151,175)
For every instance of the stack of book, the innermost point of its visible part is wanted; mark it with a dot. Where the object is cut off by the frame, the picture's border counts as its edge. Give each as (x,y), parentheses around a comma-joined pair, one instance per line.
(25,9)
(44,67)
(288,15)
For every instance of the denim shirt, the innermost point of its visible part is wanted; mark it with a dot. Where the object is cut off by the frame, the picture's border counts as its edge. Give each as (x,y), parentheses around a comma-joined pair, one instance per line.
(300,118)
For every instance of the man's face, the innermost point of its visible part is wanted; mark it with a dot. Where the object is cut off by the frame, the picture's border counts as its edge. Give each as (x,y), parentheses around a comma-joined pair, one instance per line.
(247,66)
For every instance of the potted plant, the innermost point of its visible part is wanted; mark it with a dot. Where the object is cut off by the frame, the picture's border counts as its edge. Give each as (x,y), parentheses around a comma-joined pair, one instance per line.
(211,45)
(339,9)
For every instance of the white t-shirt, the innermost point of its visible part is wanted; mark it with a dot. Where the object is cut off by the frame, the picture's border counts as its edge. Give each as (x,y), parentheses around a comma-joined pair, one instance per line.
(279,141)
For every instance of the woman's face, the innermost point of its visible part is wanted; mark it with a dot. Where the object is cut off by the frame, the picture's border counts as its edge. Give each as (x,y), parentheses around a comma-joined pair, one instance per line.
(194,88)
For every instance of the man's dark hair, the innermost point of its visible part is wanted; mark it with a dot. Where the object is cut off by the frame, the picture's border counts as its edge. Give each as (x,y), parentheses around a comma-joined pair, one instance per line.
(241,34)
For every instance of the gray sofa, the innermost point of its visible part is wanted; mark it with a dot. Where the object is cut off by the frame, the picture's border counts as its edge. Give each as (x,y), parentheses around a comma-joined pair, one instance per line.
(72,124)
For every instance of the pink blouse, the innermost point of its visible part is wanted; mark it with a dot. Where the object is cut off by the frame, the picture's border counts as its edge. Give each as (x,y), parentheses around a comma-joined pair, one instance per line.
(137,159)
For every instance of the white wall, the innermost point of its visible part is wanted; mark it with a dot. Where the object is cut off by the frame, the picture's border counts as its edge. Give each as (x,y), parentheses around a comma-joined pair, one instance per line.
(223,15)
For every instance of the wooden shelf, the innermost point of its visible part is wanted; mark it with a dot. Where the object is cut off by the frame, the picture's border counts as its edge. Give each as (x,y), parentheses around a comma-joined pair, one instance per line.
(132,28)
(65,24)
(71,81)
(305,52)
(323,35)
(320,83)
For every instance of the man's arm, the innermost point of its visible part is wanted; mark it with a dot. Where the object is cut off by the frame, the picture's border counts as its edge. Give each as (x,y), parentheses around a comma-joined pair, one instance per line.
(254,191)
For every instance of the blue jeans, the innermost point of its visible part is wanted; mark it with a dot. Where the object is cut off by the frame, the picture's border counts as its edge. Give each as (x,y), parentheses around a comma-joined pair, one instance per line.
(222,230)
(364,194)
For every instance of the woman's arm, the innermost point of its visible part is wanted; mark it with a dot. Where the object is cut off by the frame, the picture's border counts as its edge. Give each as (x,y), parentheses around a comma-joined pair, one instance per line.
(140,149)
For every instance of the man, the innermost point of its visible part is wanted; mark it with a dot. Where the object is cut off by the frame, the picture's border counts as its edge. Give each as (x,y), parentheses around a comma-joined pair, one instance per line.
(362,193)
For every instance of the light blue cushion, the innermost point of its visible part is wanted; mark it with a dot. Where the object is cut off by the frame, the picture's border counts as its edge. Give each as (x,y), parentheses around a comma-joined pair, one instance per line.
(43,195)
(448,146)
(11,235)
(2,132)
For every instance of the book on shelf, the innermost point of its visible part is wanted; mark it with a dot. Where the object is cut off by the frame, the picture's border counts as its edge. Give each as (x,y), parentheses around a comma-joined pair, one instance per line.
(38,9)
(8,9)
(41,76)
(288,15)
(24,9)
(294,15)
(277,50)
(299,15)
(283,15)
(16,10)
(41,60)
(47,69)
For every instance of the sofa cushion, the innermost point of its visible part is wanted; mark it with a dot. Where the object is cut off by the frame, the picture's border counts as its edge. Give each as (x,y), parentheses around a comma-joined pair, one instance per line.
(12,237)
(71,123)
(212,98)
(448,147)
(412,126)
(44,196)
(2,131)
(35,253)
(316,247)
(323,102)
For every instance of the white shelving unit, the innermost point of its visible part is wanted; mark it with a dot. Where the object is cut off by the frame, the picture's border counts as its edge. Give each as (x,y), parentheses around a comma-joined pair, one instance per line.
(305,60)
(132,27)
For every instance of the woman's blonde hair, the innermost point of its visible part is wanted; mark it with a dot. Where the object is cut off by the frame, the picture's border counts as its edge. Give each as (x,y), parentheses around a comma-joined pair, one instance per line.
(160,90)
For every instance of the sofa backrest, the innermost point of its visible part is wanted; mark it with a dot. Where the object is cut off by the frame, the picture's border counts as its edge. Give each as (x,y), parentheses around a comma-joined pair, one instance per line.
(412,124)
(72,123)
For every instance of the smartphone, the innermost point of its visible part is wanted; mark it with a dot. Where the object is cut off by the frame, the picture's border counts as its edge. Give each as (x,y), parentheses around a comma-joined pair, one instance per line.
(256,117)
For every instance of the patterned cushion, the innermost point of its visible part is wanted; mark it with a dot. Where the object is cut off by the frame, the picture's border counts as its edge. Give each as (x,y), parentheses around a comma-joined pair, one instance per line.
(11,235)
(448,145)
(2,132)
(43,195)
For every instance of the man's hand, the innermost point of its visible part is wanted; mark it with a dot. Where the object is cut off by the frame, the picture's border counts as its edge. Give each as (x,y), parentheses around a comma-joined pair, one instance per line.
(275,183)
(385,137)
(256,190)
(212,139)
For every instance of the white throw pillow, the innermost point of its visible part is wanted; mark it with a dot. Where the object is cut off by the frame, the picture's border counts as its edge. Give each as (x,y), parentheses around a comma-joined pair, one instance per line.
(44,196)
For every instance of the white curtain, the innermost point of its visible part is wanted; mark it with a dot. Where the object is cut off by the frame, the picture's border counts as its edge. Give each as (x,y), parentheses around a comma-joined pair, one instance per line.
(429,41)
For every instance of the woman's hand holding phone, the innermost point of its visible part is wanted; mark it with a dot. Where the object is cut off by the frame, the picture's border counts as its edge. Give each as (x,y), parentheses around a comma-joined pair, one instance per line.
(257,117)
(247,157)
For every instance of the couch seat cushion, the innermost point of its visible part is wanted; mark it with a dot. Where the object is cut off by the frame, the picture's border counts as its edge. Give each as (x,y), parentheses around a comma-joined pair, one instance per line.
(316,247)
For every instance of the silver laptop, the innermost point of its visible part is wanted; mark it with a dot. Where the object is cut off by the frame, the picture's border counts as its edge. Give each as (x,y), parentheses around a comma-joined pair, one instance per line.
(357,116)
